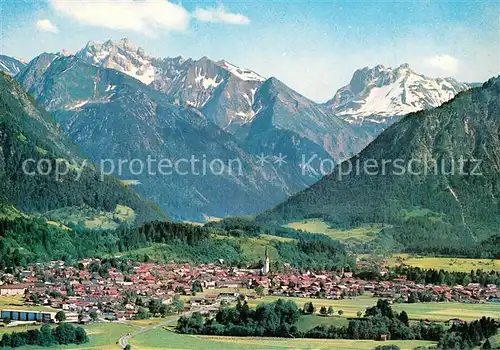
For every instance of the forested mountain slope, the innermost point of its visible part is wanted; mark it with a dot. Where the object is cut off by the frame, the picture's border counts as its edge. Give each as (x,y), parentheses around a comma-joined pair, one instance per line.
(29,138)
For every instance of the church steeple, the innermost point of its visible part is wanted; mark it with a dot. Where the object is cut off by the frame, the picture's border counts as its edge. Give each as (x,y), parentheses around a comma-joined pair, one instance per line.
(265,268)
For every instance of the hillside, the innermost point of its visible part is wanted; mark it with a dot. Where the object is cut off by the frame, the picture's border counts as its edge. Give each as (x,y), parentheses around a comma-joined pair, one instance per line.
(27,240)
(28,133)
(441,211)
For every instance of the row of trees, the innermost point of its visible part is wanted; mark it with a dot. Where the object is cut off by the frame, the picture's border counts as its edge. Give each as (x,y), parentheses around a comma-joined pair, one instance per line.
(47,336)
(309,309)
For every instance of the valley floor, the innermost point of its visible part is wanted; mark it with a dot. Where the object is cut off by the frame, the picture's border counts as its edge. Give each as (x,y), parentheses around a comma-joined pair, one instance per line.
(106,335)
(165,339)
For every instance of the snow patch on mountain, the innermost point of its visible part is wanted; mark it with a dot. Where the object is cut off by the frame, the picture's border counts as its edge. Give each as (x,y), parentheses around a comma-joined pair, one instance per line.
(202,79)
(379,94)
(11,65)
(243,74)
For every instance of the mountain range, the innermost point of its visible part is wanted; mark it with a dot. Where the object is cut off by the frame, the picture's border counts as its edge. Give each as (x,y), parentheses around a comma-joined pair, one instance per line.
(231,97)
(115,101)
(445,198)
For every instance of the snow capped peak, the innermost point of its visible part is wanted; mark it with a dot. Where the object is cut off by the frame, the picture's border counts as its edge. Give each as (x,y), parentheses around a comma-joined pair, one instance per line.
(121,55)
(243,74)
(130,59)
(127,45)
(379,94)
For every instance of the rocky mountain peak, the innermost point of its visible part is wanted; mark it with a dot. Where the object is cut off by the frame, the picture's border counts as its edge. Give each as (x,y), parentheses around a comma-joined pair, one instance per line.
(382,94)
(121,55)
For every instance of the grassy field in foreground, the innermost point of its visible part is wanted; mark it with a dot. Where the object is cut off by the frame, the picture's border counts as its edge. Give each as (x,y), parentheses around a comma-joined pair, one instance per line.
(17,302)
(25,328)
(364,233)
(431,311)
(447,264)
(163,339)
(102,336)
(150,322)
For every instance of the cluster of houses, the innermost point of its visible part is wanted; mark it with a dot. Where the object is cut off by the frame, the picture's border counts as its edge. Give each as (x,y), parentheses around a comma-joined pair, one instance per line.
(339,286)
(114,293)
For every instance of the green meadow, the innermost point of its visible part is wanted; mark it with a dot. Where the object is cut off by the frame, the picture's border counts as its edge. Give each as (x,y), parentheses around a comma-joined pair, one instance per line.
(445,263)
(364,233)
(164,339)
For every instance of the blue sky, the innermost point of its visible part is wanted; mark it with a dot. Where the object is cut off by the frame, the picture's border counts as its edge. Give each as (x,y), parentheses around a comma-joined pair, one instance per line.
(313,46)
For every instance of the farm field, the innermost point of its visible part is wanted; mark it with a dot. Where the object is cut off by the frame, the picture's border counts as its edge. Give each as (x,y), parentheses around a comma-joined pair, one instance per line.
(432,311)
(447,264)
(24,328)
(163,339)
(150,322)
(363,234)
(103,336)
(17,302)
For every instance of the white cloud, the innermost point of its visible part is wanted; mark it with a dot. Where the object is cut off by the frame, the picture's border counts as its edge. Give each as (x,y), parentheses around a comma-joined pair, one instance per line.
(44,25)
(143,16)
(220,15)
(445,63)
